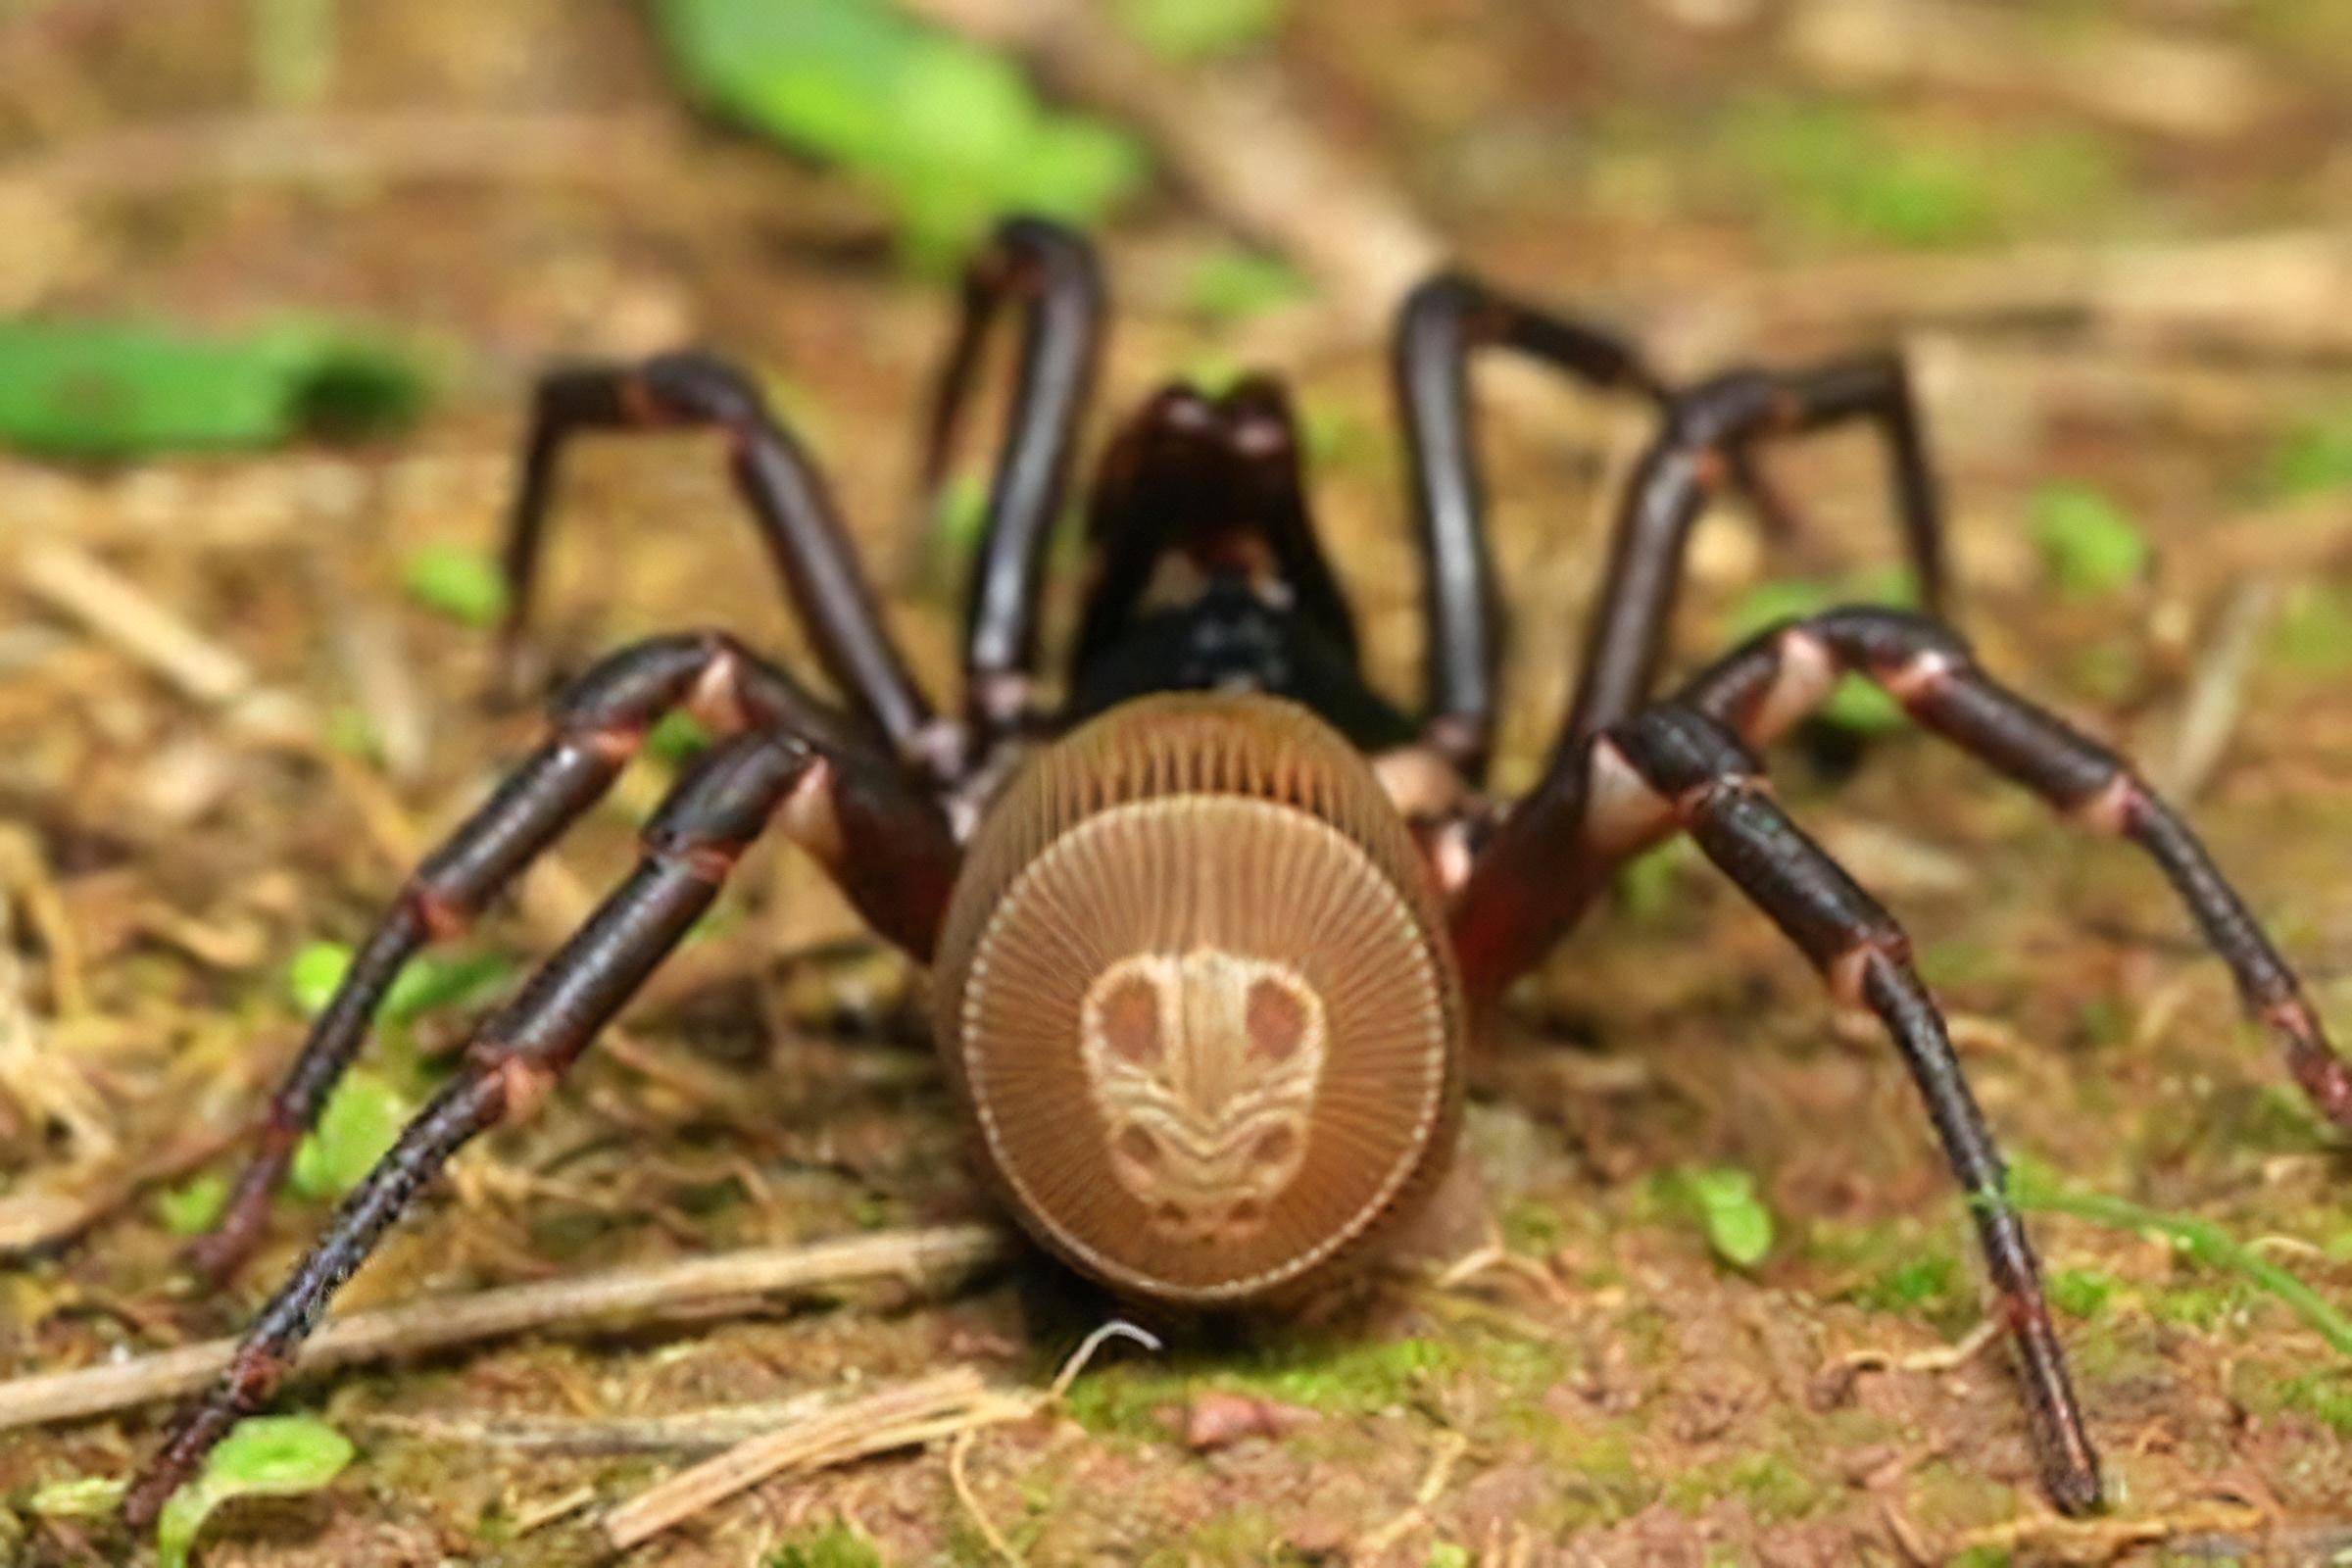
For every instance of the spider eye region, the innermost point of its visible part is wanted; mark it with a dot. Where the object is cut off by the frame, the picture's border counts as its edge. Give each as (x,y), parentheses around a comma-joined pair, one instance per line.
(1204,1067)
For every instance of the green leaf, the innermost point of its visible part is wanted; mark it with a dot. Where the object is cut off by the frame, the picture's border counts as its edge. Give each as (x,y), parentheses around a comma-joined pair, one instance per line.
(1738,1224)
(2087,545)
(836,1545)
(82,1498)
(2316,458)
(948,134)
(433,982)
(362,1119)
(427,984)
(191,1209)
(2315,631)
(1234,285)
(460,583)
(313,974)
(272,1456)
(2080,1291)
(677,736)
(1184,31)
(2033,1186)
(114,389)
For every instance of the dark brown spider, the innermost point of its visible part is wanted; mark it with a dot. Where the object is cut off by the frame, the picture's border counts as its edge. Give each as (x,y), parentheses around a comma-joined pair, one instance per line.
(1208,936)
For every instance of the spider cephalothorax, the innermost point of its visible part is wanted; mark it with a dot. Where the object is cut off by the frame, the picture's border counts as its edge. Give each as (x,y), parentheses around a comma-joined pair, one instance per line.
(1203,963)
(1196,989)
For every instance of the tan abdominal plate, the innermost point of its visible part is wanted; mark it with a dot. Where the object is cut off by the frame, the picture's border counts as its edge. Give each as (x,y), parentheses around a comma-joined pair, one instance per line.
(1204,1068)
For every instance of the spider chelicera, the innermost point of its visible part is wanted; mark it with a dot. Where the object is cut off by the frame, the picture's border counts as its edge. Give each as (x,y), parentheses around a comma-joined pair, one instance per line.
(1208,936)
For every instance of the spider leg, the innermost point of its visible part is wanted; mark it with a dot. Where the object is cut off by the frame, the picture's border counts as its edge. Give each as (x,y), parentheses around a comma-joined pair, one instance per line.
(1769,684)
(790,506)
(1051,273)
(1439,326)
(597,724)
(1673,768)
(517,1052)
(1708,441)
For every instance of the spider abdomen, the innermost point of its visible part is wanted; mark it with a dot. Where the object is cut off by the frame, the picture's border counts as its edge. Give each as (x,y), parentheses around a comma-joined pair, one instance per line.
(1196,989)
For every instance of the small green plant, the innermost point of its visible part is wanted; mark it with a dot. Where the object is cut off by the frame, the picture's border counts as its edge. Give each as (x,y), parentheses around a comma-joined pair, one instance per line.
(451,580)
(2316,458)
(78,1497)
(947,133)
(2315,629)
(2080,1291)
(1724,1198)
(1235,285)
(270,1456)
(362,1119)
(430,982)
(1184,30)
(104,389)
(2034,1188)
(191,1209)
(367,1110)
(2088,546)
(677,736)
(836,1545)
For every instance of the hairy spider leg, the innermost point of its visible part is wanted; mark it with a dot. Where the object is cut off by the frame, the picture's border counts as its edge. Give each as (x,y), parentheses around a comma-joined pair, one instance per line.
(1677,765)
(1709,435)
(790,506)
(1438,328)
(889,847)
(1673,768)
(1775,678)
(597,724)
(1052,274)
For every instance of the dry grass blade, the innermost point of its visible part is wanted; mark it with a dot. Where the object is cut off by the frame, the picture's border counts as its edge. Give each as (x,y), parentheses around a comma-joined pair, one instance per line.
(594,149)
(2216,691)
(2268,297)
(939,1405)
(2170,84)
(79,584)
(34,1075)
(2051,1538)
(696,1432)
(691,1286)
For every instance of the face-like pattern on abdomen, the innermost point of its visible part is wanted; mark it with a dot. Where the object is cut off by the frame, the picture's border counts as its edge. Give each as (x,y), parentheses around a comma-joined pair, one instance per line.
(1205,1067)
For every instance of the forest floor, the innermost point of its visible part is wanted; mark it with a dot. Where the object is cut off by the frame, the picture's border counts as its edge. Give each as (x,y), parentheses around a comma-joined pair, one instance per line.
(2121,293)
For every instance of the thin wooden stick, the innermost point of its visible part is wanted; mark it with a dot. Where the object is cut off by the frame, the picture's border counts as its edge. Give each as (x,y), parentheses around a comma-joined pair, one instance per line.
(686,1287)
(2216,689)
(109,604)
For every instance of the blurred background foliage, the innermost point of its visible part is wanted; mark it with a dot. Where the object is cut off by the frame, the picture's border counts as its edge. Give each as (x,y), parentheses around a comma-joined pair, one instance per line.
(275,276)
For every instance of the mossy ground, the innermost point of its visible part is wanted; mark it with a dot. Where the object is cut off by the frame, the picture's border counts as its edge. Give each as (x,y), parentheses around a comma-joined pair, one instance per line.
(1623,1395)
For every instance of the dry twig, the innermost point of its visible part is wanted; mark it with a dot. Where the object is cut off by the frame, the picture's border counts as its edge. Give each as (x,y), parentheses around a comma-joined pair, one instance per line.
(2166,83)
(2093,1540)
(687,1287)
(2216,689)
(1445,1455)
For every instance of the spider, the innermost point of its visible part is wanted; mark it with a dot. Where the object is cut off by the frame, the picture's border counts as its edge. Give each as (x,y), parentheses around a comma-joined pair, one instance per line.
(1208,936)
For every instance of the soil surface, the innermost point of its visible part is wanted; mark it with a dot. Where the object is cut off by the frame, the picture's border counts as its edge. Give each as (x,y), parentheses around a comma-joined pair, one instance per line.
(2123,299)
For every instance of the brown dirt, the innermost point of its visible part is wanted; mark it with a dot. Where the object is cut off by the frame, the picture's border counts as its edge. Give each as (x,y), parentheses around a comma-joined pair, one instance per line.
(1625,1398)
